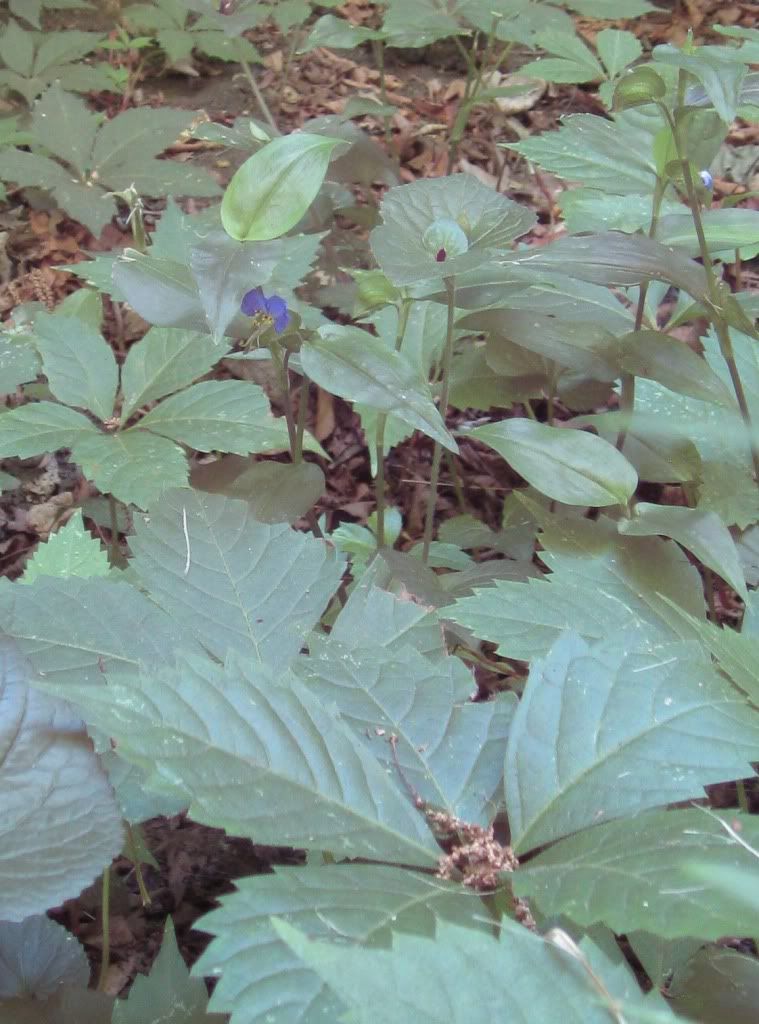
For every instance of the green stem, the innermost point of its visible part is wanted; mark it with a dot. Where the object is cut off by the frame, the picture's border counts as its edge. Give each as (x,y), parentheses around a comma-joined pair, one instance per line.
(301,424)
(284,390)
(720,324)
(263,106)
(114,551)
(742,796)
(450,289)
(379,56)
(627,394)
(458,489)
(403,314)
(135,859)
(529,410)
(106,924)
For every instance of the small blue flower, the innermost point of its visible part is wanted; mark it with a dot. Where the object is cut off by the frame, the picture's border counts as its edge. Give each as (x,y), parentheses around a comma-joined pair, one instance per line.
(275,308)
(706,179)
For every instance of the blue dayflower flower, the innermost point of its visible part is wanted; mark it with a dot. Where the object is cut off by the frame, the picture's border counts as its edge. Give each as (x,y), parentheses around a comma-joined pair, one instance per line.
(274,307)
(706,179)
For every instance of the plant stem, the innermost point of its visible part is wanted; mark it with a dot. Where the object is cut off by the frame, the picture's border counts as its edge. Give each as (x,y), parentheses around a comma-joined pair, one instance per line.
(106,924)
(453,468)
(135,858)
(301,425)
(263,106)
(114,551)
(450,289)
(379,56)
(627,394)
(721,327)
(742,795)
(403,314)
(284,391)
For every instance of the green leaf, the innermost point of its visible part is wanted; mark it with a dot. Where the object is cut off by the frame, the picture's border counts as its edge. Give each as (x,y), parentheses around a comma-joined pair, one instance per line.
(63,48)
(290,771)
(447,748)
(250,587)
(73,630)
(586,149)
(600,734)
(70,551)
(42,427)
(78,363)
(274,188)
(356,903)
(735,653)
(658,356)
(38,958)
(134,137)
(636,874)
(164,361)
(617,50)
(63,124)
(463,977)
(133,465)
(355,365)
(702,533)
(337,34)
(628,578)
(17,48)
(573,467)
(719,73)
(716,985)
(657,454)
(219,415)
(162,291)
(276,492)
(574,62)
(19,363)
(724,230)
(56,800)
(31,170)
(614,258)
(225,269)
(489,220)
(168,995)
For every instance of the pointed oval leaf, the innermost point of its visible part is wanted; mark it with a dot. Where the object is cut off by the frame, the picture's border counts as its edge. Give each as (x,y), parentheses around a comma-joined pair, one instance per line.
(274,188)
(658,356)
(132,465)
(574,467)
(78,363)
(42,427)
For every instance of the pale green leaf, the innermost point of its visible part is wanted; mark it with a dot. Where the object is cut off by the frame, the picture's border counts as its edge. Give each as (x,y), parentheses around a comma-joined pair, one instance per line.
(137,134)
(720,74)
(489,221)
(237,584)
(658,356)
(19,362)
(447,748)
(17,48)
(274,188)
(79,364)
(355,365)
(716,985)
(162,291)
(31,170)
(220,415)
(65,126)
(290,772)
(573,467)
(133,465)
(164,361)
(600,734)
(70,551)
(348,902)
(42,427)
(601,585)
(617,50)
(38,957)
(702,533)
(60,825)
(657,455)
(168,995)
(636,874)
(277,492)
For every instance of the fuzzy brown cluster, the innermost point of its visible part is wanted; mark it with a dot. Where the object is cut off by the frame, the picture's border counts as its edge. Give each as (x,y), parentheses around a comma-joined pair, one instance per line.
(477,858)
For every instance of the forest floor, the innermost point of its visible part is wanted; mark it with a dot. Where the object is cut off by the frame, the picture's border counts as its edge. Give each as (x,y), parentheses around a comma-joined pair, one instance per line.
(193,864)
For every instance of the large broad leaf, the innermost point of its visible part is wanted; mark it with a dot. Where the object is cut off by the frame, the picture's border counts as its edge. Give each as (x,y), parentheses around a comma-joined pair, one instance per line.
(586,150)
(168,995)
(290,772)
(236,583)
(702,533)
(573,467)
(42,427)
(163,362)
(132,465)
(351,363)
(78,363)
(73,630)
(614,258)
(719,73)
(220,415)
(658,356)
(601,584)
(737,654)
(70,551)
(65,126)
(447,748)
(60,825)
(717,984)
(19,363)
(407,246)
(635,874)
(600,734)
(264,982)
(277,492)
(130,140)
(274,188)
(468,977)
(162,291)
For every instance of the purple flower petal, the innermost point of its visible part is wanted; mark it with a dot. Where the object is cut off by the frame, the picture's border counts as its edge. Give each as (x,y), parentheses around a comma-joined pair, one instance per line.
(253,302)
(277,309)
